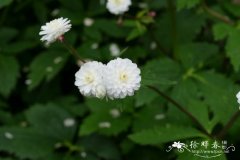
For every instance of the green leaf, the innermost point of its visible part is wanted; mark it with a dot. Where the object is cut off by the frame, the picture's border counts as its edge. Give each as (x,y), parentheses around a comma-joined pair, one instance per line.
(221,30)
(181,4)
(94,143)
(160,71)
(233,49)
(7,34)
(46,65)
(93,123)
(4,3)
(220,94)
(164,134)
(196,54)
(50,120)
(9,71)
(25,143)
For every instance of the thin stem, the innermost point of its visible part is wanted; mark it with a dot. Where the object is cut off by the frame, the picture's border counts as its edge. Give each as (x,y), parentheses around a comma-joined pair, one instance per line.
(217,15)
(180,107)
(72,50)
(228,125)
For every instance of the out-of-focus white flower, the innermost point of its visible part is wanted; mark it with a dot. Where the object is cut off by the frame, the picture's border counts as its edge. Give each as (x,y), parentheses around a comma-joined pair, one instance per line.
(114,50)
(83,154)
(28,81)
(8,135)
(153,45)
(69,122)
(89,78)
(94,46)
(115,113)
(143,5)
(118,6)
(122,78)
(55,12)
(57,60)
(238,97)
(159,116)
(104,125)
(88,22)
(54,29)
(49,69)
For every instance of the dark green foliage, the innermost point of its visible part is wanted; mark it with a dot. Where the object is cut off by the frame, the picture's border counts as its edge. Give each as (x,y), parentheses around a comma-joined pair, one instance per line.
(189,52)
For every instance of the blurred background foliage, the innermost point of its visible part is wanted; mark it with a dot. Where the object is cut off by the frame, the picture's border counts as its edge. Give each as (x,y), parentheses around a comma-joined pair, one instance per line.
(188,49)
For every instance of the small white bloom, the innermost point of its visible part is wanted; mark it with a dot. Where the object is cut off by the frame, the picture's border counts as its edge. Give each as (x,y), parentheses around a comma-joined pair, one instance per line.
(28,81)
(143,5)
(88,22)
(69,122)
(89,78)
(159,116)
(115,113)
(8,135)
(58,60)
(153,45)
(122,78)
(94,46)
(83,154)
(104,125)
(55,12)
(52,30)
(118,6)
(49,69)
(238,97)
(114,50)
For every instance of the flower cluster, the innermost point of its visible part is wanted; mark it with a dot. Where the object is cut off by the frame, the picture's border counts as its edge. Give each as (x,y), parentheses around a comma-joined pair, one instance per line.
(118,79)
(118,6)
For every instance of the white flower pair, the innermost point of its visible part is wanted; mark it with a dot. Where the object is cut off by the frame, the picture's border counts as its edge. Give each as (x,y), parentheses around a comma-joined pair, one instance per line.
(118,79)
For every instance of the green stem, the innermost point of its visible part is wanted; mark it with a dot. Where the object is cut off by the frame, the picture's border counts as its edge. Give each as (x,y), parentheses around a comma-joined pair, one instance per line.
(72,50)
(229,124)
(180,107)
(217,15)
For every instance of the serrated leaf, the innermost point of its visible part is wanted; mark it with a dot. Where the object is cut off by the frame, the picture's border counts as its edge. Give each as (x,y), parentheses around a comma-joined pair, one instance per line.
(163,71)
(9,71)
(233,49)
(219,93)
(164,134)
(25,143)
(221,30)
(49,120)
(46,66)
(196,54)
(93,123)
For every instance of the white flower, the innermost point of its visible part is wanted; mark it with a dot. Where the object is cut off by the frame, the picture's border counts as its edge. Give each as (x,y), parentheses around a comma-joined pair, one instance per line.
(104,125)
(114,50)
(115,113)
(122,78)
(69,122)
(88,22)
(89,79)
(118,6)
(54,29)
(238,97)
(8,135)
